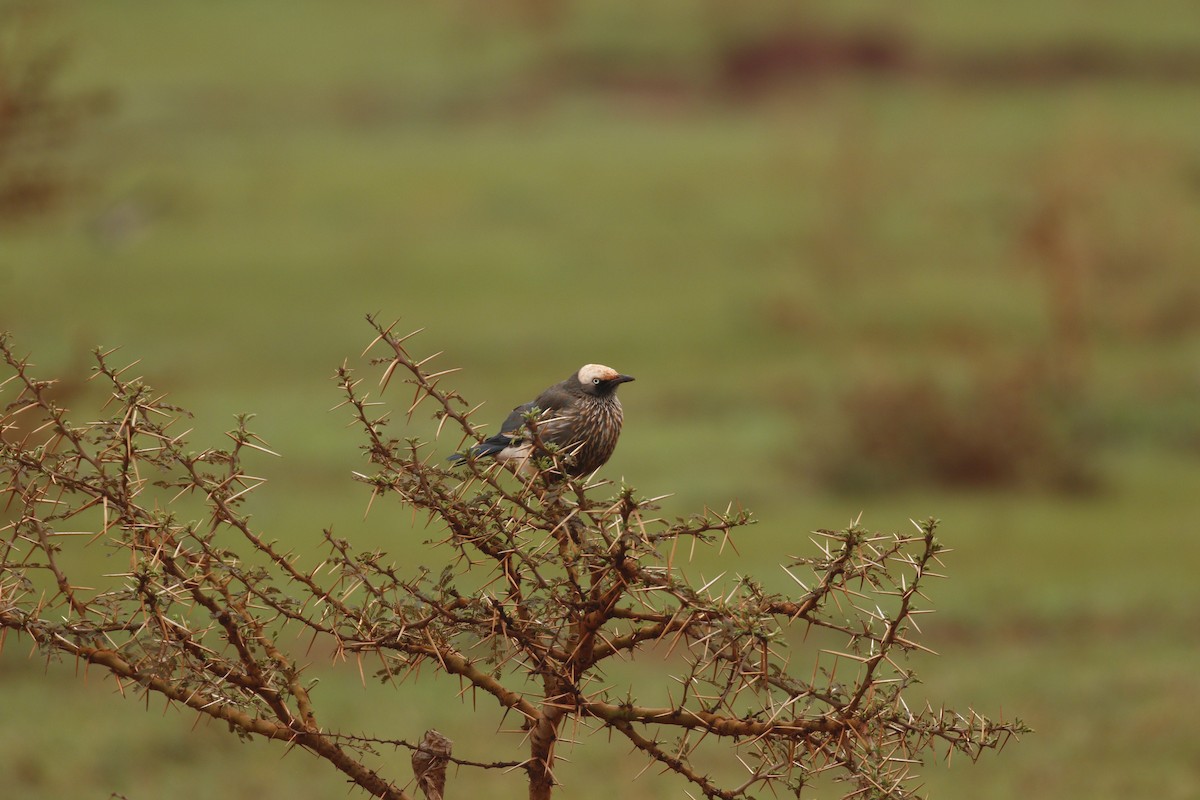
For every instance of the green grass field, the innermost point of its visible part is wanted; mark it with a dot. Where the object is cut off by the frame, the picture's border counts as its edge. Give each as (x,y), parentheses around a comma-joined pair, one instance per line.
(771,270)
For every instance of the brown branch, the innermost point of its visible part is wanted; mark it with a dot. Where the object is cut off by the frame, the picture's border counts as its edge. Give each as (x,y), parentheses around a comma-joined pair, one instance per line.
(718,724)
(212,707)
(671,762)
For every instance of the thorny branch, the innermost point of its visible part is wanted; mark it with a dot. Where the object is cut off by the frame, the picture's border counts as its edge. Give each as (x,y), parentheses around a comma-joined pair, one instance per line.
(546,588)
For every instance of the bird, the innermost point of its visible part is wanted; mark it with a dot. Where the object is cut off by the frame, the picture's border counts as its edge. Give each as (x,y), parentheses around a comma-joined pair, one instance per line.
(581,416)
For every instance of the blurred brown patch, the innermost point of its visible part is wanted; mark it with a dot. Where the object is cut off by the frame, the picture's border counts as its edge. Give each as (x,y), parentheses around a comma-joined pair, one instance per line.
(1110,235)
(751,65)
(748,67)
(1002,429)
(38,119)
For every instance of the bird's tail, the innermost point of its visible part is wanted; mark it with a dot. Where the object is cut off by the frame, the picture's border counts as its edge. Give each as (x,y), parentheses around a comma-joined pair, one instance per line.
(488,447)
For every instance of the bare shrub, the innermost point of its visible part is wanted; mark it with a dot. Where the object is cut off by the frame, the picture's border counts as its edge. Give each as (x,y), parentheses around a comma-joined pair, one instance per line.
(1109,231)
(38,119)
(1003,428)
(544,584)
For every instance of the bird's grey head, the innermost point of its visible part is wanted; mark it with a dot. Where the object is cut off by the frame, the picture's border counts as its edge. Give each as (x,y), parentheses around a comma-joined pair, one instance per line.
(599,380)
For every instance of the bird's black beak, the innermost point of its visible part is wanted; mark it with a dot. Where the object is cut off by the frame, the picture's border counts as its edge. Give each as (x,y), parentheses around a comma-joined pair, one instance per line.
(622,379)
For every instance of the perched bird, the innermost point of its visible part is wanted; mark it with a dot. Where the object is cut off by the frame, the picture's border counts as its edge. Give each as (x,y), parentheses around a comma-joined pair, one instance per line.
(580,416)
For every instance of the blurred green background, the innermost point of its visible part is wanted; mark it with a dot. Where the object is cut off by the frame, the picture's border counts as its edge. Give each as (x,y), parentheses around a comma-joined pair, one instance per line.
(928,258)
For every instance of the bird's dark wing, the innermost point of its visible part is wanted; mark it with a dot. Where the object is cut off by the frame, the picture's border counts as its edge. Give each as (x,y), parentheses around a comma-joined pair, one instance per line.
(554,399)
(510,432)
(515,421)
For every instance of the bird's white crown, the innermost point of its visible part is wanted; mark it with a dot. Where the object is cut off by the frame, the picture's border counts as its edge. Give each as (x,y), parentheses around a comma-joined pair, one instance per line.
(590,372)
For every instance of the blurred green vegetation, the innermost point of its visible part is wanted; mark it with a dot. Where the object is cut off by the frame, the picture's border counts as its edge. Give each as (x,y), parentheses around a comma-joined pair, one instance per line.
(934,259)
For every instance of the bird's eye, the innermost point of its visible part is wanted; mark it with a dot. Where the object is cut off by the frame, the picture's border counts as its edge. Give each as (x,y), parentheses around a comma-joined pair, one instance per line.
(596,381)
